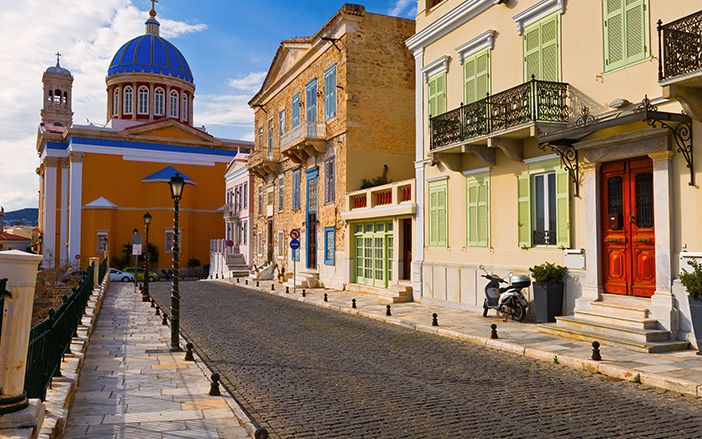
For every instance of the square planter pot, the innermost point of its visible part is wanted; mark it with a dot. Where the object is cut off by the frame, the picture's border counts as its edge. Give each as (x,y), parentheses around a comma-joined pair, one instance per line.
(696,317)
(548,301)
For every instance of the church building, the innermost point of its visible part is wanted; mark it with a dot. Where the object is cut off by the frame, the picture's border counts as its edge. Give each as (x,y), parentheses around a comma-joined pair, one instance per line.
(97,182)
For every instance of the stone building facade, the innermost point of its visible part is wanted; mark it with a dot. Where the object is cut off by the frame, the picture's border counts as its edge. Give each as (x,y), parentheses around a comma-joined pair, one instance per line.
(334,109)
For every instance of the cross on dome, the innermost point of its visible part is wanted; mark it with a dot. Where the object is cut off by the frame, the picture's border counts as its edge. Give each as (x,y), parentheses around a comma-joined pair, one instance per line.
(58,56)
(152,12)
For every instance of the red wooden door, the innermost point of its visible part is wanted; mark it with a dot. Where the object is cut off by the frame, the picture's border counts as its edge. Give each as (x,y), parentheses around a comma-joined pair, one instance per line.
(628,229)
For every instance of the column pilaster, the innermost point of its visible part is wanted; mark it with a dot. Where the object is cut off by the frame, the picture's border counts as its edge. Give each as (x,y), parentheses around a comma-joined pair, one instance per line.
(592,289)
(418,243)
(75,205)
(51,255)
(63,223)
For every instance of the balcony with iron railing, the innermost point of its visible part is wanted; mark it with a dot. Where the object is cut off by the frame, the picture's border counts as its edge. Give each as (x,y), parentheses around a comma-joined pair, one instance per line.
(516,113)
(680,62)
(680,49)
(304,141)
(391,199)
(262,163)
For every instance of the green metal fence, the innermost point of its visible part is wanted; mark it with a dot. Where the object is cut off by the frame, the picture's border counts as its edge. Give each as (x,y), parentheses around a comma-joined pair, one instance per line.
(50,340)
(3,293)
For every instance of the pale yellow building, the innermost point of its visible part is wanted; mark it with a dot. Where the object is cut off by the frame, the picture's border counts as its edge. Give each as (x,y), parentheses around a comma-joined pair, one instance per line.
(335,109)
(544,133)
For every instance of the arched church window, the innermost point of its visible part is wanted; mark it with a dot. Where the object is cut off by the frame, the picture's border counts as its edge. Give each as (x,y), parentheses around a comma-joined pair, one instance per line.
(143,100)
(159,100)
(173,104)
(57,96)
(128,100)
(65,97)
(51,96)
(115,102)
(184,108)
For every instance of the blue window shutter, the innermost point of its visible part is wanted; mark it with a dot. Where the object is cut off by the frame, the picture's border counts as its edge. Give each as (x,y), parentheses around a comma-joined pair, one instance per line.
(329,245)
(296,110)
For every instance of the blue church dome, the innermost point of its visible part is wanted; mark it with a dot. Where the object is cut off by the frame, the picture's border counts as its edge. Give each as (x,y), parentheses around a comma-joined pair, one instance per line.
(150,54)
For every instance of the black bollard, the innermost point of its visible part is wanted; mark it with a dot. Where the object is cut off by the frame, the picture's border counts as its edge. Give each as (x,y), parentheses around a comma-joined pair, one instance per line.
(214,386)
(237,280)
(325,297)
(246,281)
(493,332)
(189,352)
(303,293)
(353,303)
(596,351)
(387,311)
(257,284)
(164,320)
(435,319)
(153,303)
(158,311)
(272,287)
(261,433)
(287,290)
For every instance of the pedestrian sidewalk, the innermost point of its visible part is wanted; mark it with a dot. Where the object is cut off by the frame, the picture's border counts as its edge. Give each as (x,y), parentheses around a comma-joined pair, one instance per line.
(679,371)
(132,387)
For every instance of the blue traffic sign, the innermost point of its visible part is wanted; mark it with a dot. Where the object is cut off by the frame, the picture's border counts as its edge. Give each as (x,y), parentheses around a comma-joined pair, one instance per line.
(294,244)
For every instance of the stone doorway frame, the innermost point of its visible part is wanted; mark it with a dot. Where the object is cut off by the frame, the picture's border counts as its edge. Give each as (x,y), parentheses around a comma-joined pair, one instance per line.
(656,144)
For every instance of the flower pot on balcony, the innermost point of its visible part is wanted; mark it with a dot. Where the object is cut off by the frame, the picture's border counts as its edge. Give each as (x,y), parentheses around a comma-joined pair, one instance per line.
(548,301)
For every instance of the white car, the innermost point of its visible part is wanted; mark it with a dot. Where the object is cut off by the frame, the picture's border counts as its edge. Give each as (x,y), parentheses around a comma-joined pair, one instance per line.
(118,275)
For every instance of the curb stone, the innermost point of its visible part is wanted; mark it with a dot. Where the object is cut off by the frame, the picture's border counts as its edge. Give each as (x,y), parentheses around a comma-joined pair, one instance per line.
(603,367)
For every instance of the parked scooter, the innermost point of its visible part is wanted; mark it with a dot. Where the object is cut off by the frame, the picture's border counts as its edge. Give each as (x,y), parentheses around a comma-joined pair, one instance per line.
(507,300)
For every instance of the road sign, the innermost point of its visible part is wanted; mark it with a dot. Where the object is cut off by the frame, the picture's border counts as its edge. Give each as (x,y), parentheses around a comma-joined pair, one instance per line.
(230,243)
(136,249)
(295,234)
(294,244)
(77,256)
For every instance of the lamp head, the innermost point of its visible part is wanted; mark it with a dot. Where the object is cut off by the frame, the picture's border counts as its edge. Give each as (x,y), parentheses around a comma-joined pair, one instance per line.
(177,184)
(147,218)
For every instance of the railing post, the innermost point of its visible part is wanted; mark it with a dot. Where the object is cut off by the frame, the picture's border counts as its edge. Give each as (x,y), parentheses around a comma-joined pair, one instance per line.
(488,115)
(20,269)
(660,50)
(95,262)
(532,100)
(461,121)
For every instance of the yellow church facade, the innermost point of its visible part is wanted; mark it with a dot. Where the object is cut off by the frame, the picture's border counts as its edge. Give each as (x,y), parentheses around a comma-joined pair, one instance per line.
(96,183)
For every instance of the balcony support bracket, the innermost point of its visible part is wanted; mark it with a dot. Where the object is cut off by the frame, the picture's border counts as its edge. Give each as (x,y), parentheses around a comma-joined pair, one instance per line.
(512,148)
(482,153)
(569,160)
(452,161)
(690,99)
(682,135)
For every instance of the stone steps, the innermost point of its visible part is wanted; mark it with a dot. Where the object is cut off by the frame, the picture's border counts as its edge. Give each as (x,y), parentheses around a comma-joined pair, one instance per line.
(648,347)
(608,329)
(396,293)
(303,280)
(635,323)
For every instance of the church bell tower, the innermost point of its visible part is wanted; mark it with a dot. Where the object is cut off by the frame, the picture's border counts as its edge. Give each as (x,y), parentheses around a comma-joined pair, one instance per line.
(58,93)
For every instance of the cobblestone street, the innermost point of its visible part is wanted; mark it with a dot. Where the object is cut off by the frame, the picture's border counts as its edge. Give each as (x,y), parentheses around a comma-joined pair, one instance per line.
(302,371)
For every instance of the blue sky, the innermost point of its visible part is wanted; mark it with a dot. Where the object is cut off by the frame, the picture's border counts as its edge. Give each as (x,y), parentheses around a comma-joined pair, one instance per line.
(229,46)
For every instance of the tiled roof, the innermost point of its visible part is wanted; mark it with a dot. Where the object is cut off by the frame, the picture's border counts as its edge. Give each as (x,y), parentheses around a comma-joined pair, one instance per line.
(4,236)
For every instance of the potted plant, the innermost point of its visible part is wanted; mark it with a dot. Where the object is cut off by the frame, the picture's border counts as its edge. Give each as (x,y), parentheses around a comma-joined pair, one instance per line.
(692,281)
(548,291)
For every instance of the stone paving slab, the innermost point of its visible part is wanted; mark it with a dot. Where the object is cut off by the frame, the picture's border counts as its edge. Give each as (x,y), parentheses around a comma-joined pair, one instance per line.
(679,371)
(126,390)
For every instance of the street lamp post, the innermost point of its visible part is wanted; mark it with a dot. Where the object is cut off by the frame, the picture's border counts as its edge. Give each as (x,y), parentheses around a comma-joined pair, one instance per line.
(177,183)
(135,238)
(145,291)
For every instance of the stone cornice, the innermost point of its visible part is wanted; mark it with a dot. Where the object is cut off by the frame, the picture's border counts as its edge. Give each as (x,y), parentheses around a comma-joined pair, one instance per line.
(459,15)
(439,65)
(537,12)
(482,41)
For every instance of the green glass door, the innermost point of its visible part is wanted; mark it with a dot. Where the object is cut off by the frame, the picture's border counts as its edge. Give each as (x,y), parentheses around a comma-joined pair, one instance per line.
(373,249)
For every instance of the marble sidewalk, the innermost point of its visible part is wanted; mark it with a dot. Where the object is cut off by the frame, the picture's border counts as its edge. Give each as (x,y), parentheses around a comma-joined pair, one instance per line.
(679,371)
(132,387)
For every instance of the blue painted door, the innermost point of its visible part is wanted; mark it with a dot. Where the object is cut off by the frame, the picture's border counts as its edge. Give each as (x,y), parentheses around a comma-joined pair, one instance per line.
(311,217)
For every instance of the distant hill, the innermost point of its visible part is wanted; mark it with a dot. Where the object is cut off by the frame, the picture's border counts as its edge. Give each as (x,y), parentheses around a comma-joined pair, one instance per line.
(28,217)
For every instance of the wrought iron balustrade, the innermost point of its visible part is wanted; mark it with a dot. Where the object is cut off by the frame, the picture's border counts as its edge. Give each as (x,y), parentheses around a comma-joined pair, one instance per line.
(50,340)
(533,101)
(680,46)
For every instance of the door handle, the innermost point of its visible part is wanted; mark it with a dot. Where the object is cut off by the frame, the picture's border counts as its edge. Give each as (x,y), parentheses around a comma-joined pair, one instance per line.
(643,240)
(614,240)
(632,218)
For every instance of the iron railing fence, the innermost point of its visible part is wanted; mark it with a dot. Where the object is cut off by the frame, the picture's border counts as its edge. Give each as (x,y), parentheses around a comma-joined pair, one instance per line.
(680,46)
(3,293)
(532,101)
(50,340)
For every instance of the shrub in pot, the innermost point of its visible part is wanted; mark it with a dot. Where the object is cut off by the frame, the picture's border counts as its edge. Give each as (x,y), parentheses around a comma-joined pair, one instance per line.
(692,281)
(548,291)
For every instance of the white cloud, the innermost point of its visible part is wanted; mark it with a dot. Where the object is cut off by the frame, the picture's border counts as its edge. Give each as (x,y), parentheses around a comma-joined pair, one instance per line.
(87,36)
(250,83)
(404,8)
(231,110)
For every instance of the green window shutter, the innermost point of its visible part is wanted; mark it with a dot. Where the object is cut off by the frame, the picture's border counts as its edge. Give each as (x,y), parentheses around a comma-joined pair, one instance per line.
(469,94)
(550,65)
(635,21)
(532,46)
(437,215)
(524,211)
(441,94)
(478,202)
(472,191)
(562,208)
(614,33)
(476,76)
